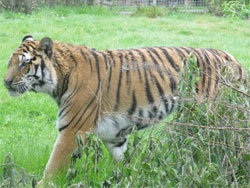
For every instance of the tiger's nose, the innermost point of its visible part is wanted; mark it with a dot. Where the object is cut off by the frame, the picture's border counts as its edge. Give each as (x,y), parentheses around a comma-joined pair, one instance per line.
(8,82)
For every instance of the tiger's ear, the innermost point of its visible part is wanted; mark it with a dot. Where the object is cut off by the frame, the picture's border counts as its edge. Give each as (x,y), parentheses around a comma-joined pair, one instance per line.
(46,45)
(27,38)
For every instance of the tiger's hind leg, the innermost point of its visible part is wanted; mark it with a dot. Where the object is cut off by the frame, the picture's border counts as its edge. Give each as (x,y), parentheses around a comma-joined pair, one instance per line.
(117,149)
(113,131)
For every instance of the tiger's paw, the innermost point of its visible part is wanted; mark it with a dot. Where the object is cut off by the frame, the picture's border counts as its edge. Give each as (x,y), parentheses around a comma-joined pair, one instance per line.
(40,183)
(43,184)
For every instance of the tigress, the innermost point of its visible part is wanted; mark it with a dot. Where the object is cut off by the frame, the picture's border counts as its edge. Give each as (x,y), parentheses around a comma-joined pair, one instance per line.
(108,92)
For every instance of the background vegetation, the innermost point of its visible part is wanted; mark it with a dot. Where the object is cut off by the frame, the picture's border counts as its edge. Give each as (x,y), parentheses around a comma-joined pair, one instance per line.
(234,8)
(166,156)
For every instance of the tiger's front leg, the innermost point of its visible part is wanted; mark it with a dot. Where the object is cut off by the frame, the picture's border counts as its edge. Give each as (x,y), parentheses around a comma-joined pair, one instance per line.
(60,156)
(66,141)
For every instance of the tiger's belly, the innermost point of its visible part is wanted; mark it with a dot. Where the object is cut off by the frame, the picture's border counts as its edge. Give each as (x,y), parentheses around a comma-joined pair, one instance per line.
(114,127)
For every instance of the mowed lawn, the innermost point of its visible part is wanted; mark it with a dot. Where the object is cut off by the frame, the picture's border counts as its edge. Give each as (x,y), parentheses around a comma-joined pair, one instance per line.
(27,123)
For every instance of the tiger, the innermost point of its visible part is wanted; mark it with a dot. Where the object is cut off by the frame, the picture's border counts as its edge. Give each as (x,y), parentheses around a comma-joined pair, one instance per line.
(108,92)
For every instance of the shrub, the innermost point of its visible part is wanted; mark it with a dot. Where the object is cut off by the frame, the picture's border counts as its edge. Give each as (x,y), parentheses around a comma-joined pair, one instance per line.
(203,146)
(214,7)
(236,9)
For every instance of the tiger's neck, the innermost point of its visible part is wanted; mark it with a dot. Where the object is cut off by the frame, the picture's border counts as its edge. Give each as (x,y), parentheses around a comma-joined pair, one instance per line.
(67,66)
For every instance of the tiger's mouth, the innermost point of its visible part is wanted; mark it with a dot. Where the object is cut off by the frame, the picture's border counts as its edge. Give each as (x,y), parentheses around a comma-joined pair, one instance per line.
(14,93)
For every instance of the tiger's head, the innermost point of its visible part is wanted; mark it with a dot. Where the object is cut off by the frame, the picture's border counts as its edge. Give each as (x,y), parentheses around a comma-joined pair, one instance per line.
(31,68)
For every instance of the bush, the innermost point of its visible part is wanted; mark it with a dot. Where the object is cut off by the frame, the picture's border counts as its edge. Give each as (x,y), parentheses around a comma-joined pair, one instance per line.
(203,146)
(236,9)
(27,6)
(214,7)
(233,8)
(218,135)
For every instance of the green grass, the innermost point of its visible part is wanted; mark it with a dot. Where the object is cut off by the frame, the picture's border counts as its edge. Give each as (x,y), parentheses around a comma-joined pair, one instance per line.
(27,123)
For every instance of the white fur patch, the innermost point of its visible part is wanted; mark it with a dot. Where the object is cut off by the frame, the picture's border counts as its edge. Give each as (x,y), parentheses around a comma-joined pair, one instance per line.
(108,127)
(117,152)
(24,58)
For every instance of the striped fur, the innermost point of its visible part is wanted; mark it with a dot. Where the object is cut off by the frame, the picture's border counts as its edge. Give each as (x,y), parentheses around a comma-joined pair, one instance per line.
(109,92)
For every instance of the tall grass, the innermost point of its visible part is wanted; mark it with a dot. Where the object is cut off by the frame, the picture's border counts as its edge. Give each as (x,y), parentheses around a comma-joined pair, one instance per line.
(170,156)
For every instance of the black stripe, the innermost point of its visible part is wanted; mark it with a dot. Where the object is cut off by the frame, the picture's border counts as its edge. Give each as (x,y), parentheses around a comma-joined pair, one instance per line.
(110,74)
(36,68)
(227,57)
(66,112)
(84,111)
(79,112)
(58,65)
(112,57)
(61,53)
(32,46)
(159,57)
(97,66)
(172,107)
(42,68)
(64,108)
(92,100)
(128,79)
(65,83)
(71,54)
(96,115)
(202,69)
(72,94)
(209,72)
(131,53)
(165,101)
(133,104)
(120,143)
(170,59)
(180,53)
(119,85)
(215,69)
(90,114)
(26,37)
(140,112)
(240,72)
(160,90)
(147,87)
(72,119)
(150,115)
(75,91)
(27,48)
(187,50)
(105,59)
(148,92)
(173,84)
(156,64)
(172,80)
(87,60)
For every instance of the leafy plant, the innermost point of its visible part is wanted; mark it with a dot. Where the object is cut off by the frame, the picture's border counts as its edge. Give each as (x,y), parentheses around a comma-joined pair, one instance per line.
(233,8)
(203,146)
(214,7)
(15,176)
(236,9)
